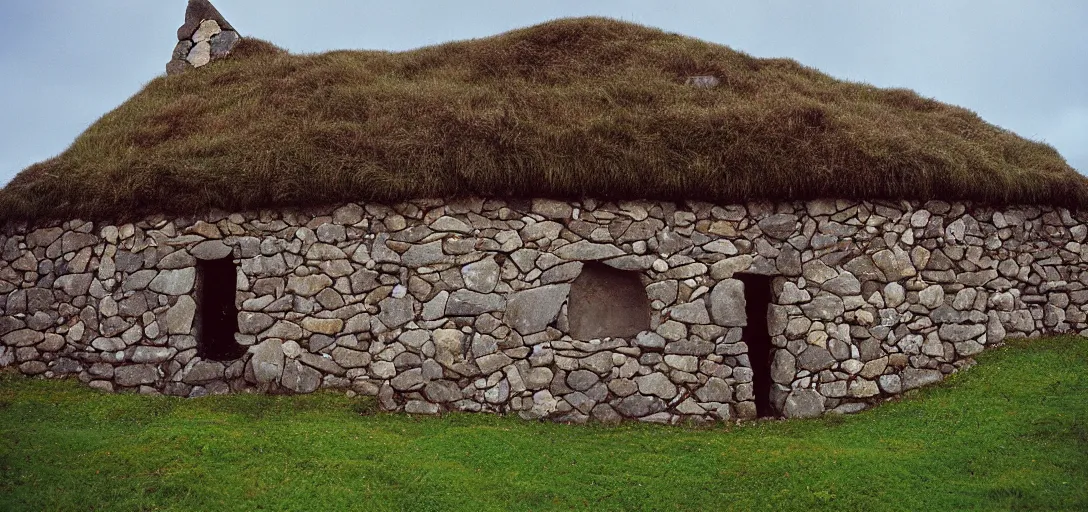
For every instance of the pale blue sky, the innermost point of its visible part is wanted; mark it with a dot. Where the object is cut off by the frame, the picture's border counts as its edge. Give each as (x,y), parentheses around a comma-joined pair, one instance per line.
(1022,65)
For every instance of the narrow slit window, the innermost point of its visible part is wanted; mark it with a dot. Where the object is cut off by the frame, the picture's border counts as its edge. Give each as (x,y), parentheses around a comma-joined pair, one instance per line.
(757,295)
(607,303)
(217,320)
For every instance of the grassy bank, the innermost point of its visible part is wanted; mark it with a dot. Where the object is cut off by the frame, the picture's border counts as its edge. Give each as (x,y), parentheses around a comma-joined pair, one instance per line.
(1009,433)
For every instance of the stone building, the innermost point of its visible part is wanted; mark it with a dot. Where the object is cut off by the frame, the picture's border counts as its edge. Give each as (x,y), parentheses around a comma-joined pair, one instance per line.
(632,308)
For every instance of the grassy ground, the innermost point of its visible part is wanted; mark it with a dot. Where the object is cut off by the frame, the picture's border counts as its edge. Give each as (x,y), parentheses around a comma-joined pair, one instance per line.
(573,108)
(1011,433)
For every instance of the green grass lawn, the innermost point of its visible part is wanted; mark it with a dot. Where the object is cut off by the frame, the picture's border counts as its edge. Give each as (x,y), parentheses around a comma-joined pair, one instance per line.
(1011,433)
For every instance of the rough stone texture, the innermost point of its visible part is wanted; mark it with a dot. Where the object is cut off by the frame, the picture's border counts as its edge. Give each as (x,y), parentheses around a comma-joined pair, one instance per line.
(482,276)
(205,31)
(174,282)
(179,318)
(202,372)
(394,312)
(470,303)
(204,37)
(267,361)
(223,42)
(300,378)
(196,13)
(211,250)
(588,251)
(135,375)
(804,403)
(200,55)
(469,306)
(531,311)
(656,384)
(727,303)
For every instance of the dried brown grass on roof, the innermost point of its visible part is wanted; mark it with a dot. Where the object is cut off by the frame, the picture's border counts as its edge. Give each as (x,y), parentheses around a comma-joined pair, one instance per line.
(567,109)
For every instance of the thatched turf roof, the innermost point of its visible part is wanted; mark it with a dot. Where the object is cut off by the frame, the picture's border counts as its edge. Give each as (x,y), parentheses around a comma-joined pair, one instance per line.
(567,109)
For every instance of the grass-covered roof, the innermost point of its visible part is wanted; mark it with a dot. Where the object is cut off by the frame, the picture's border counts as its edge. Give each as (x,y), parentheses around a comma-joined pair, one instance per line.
(567,109)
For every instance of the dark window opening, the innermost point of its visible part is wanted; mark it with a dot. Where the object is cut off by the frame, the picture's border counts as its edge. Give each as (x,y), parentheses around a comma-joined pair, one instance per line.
(607,303)
(217,320)
(757,295)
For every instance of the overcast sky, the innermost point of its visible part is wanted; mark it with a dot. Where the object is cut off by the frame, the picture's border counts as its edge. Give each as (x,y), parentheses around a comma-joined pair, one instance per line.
(1022,65)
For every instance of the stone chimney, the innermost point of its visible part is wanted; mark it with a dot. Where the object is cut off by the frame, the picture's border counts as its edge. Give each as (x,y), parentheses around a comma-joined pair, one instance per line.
(204,37)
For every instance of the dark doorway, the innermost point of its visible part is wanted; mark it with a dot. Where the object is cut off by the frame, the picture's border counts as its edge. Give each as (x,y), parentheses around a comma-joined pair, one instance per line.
(757,295)
(607,303)
(218,315)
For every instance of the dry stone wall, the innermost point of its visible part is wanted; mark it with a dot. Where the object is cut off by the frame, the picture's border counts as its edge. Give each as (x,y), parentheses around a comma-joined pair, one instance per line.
(435,306)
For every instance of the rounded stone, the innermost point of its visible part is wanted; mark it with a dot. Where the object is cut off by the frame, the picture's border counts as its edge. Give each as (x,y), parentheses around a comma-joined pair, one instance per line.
(581,380)
(804,403)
